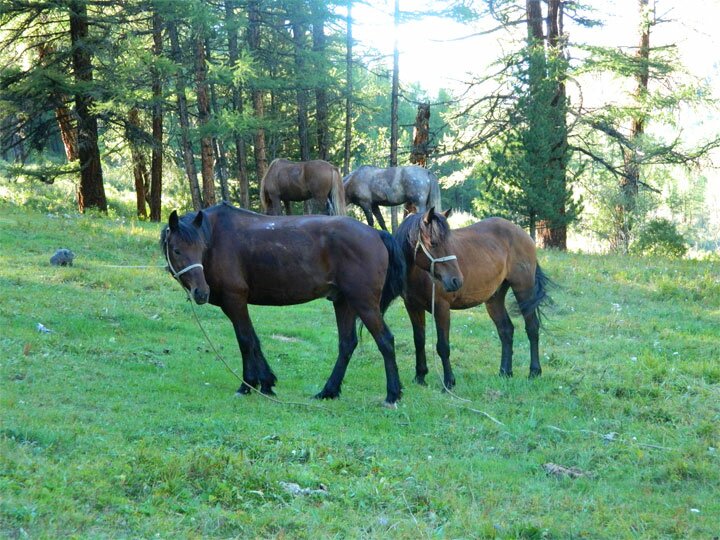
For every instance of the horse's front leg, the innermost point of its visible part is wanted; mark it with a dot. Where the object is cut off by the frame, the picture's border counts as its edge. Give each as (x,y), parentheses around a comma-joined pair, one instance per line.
(347,341)
(378,214)
(288,208)
(255,367)
(417,320)
(442,327)
(368,214)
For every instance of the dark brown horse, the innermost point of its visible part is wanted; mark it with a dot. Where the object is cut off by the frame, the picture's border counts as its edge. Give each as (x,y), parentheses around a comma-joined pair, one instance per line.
(232,257)
(371,187)
(494,255)
(317,180)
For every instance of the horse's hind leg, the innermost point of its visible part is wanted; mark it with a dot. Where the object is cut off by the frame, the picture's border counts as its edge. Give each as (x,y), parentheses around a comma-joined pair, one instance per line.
(378,214)
(373,321)
(347,341)
(532,329)
(498,313)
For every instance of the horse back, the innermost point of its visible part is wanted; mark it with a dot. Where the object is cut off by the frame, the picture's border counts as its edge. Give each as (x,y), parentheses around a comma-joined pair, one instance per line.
(282,260)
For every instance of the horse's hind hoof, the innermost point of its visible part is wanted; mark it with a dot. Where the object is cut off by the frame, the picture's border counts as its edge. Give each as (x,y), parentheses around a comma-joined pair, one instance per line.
(535,373)
(420,379)
(507,374)
(267,391)
(388,405)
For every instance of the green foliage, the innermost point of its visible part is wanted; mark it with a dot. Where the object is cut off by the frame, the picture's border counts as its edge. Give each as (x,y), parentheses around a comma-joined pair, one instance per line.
(121,422)
(660,237)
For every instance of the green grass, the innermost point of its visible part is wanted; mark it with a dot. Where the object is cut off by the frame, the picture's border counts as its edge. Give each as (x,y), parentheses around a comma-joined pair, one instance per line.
(121,422)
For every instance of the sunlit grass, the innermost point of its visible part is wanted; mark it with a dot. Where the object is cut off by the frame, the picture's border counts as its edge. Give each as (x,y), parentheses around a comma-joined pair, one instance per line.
(120,422)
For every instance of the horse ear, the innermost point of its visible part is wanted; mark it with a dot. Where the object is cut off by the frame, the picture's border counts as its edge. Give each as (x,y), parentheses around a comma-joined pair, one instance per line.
(174,222)
(427,218)
(447,213)
(198,219)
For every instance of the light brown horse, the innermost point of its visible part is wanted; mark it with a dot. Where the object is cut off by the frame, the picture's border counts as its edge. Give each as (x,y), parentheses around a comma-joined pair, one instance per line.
(317,180)
(494,255)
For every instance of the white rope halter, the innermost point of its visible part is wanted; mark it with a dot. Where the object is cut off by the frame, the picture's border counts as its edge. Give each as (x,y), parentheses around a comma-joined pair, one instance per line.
(433,260)
(177,273)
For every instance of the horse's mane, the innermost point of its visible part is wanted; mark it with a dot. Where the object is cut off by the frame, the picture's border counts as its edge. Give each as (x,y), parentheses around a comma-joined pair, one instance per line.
(408,231)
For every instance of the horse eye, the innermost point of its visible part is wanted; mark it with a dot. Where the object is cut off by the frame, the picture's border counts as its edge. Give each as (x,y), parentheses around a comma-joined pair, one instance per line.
(176,251)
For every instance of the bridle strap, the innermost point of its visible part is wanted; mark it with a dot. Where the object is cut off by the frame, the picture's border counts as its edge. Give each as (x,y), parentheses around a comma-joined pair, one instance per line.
(177,273)
(432,259)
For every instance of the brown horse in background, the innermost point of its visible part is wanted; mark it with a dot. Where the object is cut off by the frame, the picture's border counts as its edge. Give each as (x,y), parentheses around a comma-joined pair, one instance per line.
(494,255)
(317,180)
(232,257)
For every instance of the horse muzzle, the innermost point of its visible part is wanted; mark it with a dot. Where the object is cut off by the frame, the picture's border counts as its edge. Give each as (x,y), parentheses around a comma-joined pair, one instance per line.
(451,283)
(200,296)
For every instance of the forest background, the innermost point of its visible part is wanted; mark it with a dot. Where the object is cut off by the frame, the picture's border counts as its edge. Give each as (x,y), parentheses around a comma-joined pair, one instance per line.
(594,127)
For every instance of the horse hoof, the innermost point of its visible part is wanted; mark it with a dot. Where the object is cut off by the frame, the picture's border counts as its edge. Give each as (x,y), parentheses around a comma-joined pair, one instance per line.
(535,373)
(267,391)
(324,394)
(448,385)
(506,373)
(420,379)
(244,390)
(388,405)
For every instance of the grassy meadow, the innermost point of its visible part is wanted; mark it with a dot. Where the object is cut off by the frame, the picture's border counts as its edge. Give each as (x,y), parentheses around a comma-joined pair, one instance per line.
(121,423)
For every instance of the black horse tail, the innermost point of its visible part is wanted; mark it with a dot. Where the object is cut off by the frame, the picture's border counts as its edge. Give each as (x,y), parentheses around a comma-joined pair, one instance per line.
(540,296)
(395,277)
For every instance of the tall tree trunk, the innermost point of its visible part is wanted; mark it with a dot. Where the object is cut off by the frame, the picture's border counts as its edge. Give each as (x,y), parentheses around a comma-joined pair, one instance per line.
(321,105)
(253,36)
(298,34)
(156,167)
(184,117)
(553,234)
(92,190)
(421,136)
(394,108)
(348,90)
(207,155)
(630,181)
(140,170)
(240,150)
(218,146)
(68,132)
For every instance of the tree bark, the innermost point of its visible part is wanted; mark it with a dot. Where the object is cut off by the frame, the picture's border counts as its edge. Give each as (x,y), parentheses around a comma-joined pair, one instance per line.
(321,105)
(240,150)
(552,233)
(348,90)
(140,170)
(630,181)
(298,34)
(421,136)
(218,146)
(394,109)
(156,166)
(253,36)
(91,193)
(184,117)
(207,155)
(68,132)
